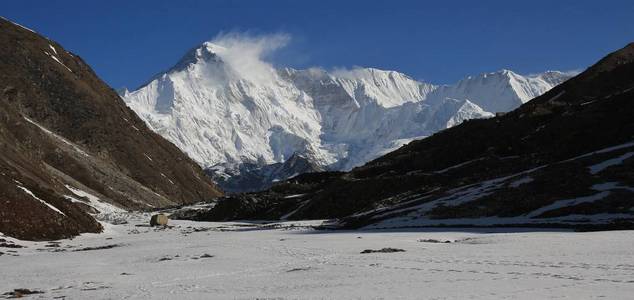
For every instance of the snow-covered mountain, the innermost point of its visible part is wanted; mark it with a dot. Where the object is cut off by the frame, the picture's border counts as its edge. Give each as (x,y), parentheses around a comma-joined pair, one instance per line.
(227,107)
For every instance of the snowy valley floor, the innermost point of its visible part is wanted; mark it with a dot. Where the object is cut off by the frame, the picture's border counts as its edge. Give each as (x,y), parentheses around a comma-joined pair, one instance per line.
(196,260)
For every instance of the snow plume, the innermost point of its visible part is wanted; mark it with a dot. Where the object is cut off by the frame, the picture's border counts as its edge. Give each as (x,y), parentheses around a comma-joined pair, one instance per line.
(349,73)
(246,54)
(569,73)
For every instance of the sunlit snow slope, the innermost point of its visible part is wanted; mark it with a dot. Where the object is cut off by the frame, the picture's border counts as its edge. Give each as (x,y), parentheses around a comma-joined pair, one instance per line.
(225,106)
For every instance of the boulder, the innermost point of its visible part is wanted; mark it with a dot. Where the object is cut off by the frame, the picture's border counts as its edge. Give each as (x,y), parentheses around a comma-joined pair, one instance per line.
(158,219)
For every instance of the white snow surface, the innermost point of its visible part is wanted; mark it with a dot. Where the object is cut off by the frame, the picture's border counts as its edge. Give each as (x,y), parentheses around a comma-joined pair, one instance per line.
(224,104)
(106,212)
(296,262)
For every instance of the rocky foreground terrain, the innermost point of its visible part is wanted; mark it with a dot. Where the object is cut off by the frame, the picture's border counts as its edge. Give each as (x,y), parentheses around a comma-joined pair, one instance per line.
(70,146)
(565,158)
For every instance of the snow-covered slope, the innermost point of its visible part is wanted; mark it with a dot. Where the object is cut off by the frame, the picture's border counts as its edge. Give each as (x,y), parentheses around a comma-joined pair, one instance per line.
(226,106)
(501,91)
(218,113)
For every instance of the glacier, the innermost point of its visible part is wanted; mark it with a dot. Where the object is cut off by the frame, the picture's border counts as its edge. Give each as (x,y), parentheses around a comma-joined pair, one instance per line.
(227,107)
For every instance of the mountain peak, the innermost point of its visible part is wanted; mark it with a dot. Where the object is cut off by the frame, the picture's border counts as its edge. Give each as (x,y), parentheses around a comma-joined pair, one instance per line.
(242,110)
(207,51)
(211,48)
(505,72)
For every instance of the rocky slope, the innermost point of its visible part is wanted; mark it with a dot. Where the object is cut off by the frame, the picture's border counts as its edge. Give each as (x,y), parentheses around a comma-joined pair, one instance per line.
(565,158)
(70,148)
(238,116)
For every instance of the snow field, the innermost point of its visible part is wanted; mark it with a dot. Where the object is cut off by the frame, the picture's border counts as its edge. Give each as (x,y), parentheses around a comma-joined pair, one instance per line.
(198,260)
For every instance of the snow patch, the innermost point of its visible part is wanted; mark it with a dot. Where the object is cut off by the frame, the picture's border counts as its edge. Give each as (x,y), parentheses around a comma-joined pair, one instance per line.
(57,60)
(38,199)
(106,212)
(604,150)
(52,48)
(594,169)
(523,180)
(568,202)
(73,145)
(608,186)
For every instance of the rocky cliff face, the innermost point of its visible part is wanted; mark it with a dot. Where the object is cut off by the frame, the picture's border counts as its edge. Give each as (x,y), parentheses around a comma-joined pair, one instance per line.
(69,145)
(565,158)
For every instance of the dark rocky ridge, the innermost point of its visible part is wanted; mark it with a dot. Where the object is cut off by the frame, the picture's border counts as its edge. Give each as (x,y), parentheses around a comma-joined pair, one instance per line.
(61,125)
(592,111)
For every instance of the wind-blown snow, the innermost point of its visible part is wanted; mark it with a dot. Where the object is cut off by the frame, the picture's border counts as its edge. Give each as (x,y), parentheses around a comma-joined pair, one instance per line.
(224,104)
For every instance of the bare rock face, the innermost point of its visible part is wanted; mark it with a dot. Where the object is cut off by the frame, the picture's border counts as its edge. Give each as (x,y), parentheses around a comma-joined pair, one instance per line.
(63,130)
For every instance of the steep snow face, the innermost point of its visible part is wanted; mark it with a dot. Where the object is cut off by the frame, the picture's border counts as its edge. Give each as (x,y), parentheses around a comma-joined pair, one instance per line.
(225,106)
(386,88)
(363,112)
(217,113)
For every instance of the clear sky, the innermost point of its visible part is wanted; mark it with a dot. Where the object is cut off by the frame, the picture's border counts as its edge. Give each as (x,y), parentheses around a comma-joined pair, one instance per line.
(127,42)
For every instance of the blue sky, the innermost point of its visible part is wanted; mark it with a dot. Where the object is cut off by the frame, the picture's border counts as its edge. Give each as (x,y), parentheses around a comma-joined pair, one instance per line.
(127,42)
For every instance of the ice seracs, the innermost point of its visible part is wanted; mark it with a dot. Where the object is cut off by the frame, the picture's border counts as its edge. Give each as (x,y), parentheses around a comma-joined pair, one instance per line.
(224,105)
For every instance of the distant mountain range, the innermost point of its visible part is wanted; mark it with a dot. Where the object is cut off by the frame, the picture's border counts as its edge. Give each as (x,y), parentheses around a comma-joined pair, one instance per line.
(565,158)
(243,123)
